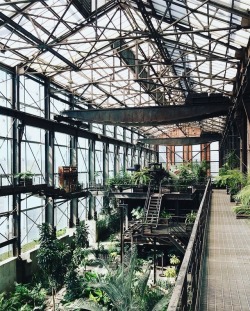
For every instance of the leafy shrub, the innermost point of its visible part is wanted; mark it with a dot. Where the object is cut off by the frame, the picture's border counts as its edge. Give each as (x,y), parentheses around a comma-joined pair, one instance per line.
(242,210)
(170,272)
(108,225)
(24,297)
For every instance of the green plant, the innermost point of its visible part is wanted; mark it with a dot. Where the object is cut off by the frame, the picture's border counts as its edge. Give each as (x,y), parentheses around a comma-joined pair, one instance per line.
(199,170)
(24,175)
(185,176)
(244,196)
(170,272)
(165,214)
(124,287)
(190,218)
(231,160)
(233,179)
(122,178)
(24,297)
(174,260)
(108,225)
(60,232)
(137,212)
(242,209)
(81,235)
(72,284)
(141,177)
(53,258)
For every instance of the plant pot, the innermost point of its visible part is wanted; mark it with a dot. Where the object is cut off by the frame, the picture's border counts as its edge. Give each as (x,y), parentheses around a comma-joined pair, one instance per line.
(25,182)
(189,227)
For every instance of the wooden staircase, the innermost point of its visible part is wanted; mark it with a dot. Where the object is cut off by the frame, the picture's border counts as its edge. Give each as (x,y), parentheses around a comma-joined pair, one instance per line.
(177,242)
(153,210)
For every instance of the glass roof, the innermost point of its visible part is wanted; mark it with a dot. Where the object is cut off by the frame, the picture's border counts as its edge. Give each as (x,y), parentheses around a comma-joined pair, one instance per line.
(129,53)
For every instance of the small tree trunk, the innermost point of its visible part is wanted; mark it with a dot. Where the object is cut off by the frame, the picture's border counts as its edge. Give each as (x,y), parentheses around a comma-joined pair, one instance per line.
(53,298)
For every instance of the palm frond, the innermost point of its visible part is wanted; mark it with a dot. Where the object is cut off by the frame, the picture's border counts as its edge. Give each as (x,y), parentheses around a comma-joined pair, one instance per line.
(83,304)
(163,303)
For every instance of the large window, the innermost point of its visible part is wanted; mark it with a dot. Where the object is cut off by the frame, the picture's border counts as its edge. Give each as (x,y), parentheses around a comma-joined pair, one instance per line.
(214,158)
(83,161)
(33,144)
(178,154)
(162,155)
(196,153)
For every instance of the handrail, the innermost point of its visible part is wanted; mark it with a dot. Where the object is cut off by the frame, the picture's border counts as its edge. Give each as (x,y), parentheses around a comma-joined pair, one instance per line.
(159,201)
(186,290)
(146,202)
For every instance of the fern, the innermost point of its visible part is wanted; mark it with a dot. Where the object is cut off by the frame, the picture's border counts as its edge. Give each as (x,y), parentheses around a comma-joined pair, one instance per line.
(244,196)
(81,303)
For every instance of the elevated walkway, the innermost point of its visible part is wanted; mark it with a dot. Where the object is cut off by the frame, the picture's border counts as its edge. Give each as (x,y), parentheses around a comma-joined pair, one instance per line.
(226,273)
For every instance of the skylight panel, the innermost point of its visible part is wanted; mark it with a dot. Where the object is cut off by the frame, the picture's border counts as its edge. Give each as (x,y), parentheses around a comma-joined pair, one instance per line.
(241,37)
(10,59)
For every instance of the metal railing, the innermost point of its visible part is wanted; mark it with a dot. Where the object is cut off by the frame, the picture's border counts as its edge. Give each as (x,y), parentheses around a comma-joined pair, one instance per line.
(147,202)
(187,287)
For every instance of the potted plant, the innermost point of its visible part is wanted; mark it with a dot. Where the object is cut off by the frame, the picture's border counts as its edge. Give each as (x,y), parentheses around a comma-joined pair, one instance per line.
(243,199)
(119,180)
(137,213)
(165,216)
(233,180)
(174,260)
(242,211)
(25,178)
(170,273)
(190,219)
(141,179)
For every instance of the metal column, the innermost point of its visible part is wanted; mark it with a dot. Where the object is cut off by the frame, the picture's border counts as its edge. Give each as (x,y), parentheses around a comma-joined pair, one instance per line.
(16,160)
(49,158)
(74,219)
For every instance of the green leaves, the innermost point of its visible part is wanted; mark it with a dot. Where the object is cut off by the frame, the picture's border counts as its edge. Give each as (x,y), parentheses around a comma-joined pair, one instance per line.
(24,298)
(53,256)
(81,235)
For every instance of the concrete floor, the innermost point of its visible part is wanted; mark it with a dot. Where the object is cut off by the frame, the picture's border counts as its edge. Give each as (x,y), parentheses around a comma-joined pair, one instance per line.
(226,282)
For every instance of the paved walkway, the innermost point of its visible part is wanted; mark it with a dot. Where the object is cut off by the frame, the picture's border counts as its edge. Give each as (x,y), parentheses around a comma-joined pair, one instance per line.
(226,284)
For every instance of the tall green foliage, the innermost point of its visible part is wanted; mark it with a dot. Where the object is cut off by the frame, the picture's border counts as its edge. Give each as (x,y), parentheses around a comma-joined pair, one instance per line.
(127,289)
(73,282)
(81,235)
(109,224)
(124,286)
(53,257)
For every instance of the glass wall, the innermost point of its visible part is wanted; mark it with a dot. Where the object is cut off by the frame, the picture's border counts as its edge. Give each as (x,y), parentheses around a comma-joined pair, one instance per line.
(214,158)
(42,144)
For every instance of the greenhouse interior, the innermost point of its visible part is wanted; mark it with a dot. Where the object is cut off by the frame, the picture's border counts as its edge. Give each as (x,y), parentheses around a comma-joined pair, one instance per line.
(124,143)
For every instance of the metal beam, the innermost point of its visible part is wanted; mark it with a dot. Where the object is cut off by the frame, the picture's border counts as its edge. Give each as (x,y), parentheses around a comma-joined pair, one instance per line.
(184,141)
(41,45)
(151,116)
(32,120)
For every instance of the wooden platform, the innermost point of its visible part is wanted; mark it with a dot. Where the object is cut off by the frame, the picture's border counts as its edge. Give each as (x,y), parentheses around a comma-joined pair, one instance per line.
(226,278)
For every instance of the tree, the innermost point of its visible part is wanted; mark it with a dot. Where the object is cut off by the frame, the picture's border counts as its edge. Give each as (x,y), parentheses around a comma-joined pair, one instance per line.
(53,257)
